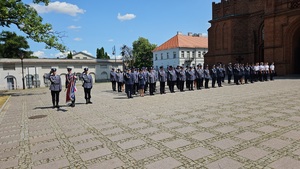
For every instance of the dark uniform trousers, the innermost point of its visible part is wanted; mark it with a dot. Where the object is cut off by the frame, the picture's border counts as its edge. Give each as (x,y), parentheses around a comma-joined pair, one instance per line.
(151,88)
(181,85)
(120,86)
(272,75)
(206,83)
(162,87)
(171,86)
(219,81)
(191,85)
(55,97)
(229,76)
(213,81)
(129,90)
(113,84)
(198,83)
(135,88)
(87,93)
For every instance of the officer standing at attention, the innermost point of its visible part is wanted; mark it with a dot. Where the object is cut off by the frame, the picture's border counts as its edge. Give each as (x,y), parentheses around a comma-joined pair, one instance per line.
(182,78)
(55,86)
(136,82)
(129,81)
(229,72)
(247,73)
(206,76)
(162,77)
(213,76)
(151,80)
(141,80)
(113,78)
(198,77)
(219,75)
(191,78)
(172,78)
(120,79)
(87,85)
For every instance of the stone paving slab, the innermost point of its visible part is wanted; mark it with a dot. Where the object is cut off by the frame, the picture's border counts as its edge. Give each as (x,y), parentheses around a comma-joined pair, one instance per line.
(246,126)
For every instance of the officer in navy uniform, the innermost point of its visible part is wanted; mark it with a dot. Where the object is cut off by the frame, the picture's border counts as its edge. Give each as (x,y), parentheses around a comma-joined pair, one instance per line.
(136,82)
(87,85)
(229,72)
(213,76)
(252,73)
(207,76)
(113,78)
(120,79)
(55,86)
(198,77)
(129,81)
(224,72)
(247,73)
(220,75)
(201,71)
(191,78)
(162,77)
(177,75)
(146,76)
(151,80)
(172,77)
(182,79)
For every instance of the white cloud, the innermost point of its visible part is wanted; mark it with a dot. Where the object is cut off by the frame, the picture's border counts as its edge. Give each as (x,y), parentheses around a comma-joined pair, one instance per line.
(85,51)
(61,55)
(77,39)
(110,40)
(59,7)
(74,27)
(39,54)
(125,17)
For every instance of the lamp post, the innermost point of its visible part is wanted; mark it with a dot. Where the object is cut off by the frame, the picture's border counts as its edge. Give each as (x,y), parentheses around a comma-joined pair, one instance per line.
(22,57)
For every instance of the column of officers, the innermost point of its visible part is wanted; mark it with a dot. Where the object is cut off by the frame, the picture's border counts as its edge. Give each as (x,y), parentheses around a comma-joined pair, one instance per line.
(56,86)
(141,80)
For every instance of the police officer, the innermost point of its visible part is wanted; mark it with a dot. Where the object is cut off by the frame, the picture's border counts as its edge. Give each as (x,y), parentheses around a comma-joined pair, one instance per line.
(136,82)
(141,80)
(182,79)
(247,73)
(55,86)
(129,81)
(220,75)
(151,80)
(191,78)
(252,73)
(162,77)
(198,77)
(113,78)
(213,76)
(120,80)
(229,72)
(267,71)
(172,77)
(207,77)
(87,85)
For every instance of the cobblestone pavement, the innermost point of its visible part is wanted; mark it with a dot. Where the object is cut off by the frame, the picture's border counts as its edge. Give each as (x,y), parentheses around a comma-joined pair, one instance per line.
(246,126)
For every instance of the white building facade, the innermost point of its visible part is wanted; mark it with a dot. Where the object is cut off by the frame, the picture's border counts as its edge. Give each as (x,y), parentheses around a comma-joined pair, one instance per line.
(181,50)
(11,74)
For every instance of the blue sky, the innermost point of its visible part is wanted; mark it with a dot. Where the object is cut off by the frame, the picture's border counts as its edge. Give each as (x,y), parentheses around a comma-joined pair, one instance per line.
(92,24)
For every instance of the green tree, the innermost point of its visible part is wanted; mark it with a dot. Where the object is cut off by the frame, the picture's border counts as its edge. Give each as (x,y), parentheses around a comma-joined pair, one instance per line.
(101,54)
(70,55)
(26,18)
(142,52)
(12,45)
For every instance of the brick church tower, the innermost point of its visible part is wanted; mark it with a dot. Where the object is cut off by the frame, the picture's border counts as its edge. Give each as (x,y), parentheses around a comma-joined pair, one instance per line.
(250,31)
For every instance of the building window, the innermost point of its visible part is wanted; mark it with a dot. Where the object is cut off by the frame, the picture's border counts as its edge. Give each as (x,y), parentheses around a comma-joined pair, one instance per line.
(193,54)
(199,54)
(182,54)
(167,55)
(188,54)
(77,57)
(155,56)
(203,53)
(84,57)
(9,66)
(161,56)
(174,55)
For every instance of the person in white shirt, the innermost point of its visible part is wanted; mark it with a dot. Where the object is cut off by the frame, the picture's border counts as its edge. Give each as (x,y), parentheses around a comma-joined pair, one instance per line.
(266,72)
(261,71)
(256,70)
(272,71)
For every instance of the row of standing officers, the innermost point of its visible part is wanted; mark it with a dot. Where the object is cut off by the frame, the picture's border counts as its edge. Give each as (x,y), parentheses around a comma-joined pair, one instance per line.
(140,80)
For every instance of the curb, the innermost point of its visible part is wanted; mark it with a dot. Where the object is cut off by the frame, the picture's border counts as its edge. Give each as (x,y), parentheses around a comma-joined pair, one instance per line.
(5,103)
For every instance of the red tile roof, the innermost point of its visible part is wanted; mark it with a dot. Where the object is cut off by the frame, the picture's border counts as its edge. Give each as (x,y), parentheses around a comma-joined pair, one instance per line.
(184,41)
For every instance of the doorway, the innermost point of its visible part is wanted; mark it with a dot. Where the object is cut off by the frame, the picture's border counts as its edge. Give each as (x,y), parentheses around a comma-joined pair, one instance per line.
(296,51)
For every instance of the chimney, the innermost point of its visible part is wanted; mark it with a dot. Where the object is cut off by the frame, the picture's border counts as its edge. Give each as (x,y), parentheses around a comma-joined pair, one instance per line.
(190,33)
(179,33)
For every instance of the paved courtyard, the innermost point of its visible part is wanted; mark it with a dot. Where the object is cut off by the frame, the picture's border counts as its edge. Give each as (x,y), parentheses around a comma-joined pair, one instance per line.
(247,126)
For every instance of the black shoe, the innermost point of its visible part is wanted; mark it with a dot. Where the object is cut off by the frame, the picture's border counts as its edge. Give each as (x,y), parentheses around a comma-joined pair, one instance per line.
(53,106)
(57,106)
(90,102)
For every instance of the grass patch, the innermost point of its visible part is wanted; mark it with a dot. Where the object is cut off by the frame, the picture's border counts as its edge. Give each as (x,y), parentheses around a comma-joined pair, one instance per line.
(3,100)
